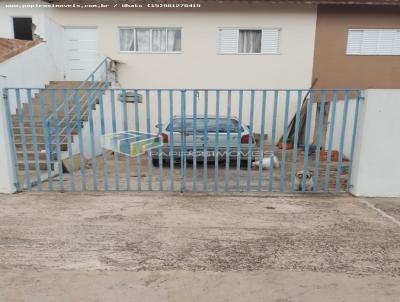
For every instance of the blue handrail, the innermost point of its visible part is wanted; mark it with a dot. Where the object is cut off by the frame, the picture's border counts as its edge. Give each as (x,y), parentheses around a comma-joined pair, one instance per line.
(94,85)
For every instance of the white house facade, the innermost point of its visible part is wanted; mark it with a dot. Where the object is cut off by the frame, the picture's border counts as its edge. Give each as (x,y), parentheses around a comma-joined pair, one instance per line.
(199,62)
(215,44)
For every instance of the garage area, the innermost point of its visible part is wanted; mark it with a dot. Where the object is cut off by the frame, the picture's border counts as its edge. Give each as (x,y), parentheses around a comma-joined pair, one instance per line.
(122,173)
(185,140)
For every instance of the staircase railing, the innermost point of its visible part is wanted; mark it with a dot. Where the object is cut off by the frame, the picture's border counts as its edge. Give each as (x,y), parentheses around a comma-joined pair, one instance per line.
(98,78)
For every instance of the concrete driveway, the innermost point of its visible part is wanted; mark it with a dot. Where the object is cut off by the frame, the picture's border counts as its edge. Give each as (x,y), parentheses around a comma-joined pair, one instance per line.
(160,247)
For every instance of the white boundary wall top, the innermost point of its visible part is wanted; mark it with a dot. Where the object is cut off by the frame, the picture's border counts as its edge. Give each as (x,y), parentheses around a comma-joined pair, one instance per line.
(34,67)
(21,71)
(376,168)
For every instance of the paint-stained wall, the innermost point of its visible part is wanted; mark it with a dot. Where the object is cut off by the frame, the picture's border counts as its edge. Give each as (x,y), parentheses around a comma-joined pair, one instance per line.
(335,69)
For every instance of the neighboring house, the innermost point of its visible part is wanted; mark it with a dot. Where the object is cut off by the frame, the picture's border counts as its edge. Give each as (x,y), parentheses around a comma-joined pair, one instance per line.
(358,46)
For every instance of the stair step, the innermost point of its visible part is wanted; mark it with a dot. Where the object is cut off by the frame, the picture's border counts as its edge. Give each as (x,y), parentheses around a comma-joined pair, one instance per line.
(36,107)
(59,99)
(31,155)
(39,130)
(40,146)
(32,165)
(74,84)
(48,110)
(60,115)
(38,121)
(40,138)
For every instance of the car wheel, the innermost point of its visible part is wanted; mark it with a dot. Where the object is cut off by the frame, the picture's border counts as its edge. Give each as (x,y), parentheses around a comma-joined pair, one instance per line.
(243,163)
(155,162)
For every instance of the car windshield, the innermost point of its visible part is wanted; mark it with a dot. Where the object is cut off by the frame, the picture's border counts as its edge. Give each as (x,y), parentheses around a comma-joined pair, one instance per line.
(188,125)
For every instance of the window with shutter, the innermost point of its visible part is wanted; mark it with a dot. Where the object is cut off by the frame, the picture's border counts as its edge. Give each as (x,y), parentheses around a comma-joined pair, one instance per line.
(248,41)
(270,41)
(373,42)
(228,40)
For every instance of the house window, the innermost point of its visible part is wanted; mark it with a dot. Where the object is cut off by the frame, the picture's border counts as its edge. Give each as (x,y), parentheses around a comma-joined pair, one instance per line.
(150,40)
(248,41)
(373,42)
(23,28)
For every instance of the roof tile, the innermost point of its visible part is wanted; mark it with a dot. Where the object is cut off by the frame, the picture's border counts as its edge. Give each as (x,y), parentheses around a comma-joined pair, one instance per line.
(11,47)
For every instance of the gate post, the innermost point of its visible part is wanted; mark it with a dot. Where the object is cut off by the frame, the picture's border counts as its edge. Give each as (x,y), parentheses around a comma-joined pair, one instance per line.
(376,167)
(7,178)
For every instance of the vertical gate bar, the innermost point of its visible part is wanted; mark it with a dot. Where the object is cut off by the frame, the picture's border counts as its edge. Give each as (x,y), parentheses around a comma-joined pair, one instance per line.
(139,157)
(353,140)
(47,138)
(22,140)
(250,148)
(330,141)
(114,129)
(228,139)
(160,159)
(307,137)
(194,176)
(127,158)
(57,138)
(103,132)
(262,133)
(284,143)
(149,157)
(296,140)
(183,139)
(319,130)
(272,151)
(48,141)
(11,135)
(239,144)
(342,135)
(92,143)
(171,140)
(217,96)
(34,140)
(69,141)
(77,107)
(205,137)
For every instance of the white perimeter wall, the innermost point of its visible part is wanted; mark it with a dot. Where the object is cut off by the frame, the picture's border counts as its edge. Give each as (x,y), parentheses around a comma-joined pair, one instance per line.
(32,68)
(340,113)
(376,168)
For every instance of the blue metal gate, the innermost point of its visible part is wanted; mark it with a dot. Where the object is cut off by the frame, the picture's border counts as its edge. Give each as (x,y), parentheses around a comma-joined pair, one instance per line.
(96,138)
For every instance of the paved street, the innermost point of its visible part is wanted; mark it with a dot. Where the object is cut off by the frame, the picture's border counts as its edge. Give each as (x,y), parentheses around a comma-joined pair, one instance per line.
(171,247)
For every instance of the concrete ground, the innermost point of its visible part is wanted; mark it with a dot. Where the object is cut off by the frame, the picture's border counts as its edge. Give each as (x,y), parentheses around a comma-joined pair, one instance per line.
(164,247)
(126,173)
